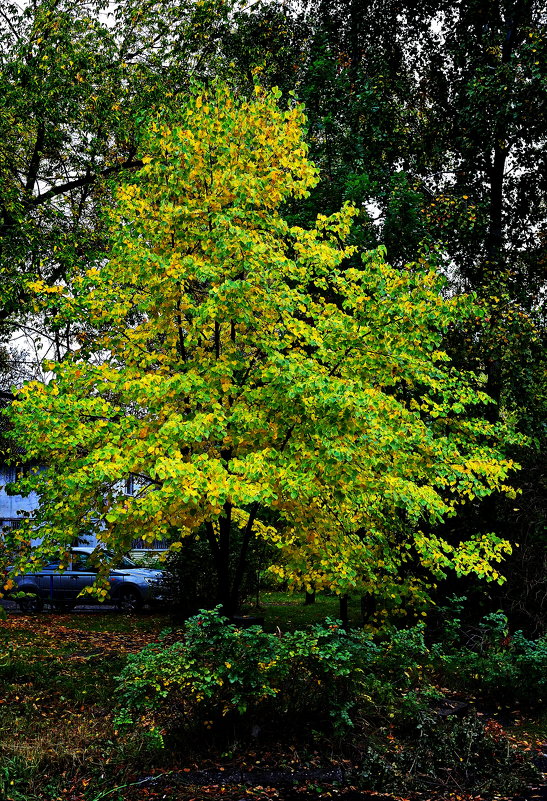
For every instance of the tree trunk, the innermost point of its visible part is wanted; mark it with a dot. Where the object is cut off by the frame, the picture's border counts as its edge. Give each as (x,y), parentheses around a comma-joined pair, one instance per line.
(517,15)
(310,598)
(368,607)
(344,611)
(241,564)
(225,595)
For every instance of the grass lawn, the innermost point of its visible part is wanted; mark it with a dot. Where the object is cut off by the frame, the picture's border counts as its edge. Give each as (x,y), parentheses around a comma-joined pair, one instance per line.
(287,611)
(56,679)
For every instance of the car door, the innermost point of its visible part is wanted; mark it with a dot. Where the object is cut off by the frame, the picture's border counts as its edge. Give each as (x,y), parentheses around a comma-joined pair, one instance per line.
(49,582)
(81,574)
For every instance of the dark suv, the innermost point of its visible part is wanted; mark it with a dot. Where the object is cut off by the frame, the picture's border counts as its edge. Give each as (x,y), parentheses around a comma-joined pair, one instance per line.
(131,587)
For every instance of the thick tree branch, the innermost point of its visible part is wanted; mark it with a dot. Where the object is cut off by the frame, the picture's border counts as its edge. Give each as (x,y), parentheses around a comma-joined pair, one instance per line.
(34,164)
(212,540)
(84,180)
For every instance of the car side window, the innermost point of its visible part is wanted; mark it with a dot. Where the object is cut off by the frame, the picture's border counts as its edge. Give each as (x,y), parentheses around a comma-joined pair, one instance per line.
(81,561)
(52,565)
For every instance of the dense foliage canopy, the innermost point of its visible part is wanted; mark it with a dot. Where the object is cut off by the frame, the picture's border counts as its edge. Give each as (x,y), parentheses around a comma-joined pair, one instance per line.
(230,363)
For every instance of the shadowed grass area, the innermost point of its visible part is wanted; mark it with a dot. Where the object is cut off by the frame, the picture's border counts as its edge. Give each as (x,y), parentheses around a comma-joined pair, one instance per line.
(287,610)
(112,620)
(57,734)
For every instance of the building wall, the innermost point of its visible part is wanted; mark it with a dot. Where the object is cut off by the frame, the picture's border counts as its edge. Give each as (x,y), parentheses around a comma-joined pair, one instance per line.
(11,505)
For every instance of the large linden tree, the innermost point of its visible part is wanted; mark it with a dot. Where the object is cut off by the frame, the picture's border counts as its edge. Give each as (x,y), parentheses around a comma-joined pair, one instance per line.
(249,376)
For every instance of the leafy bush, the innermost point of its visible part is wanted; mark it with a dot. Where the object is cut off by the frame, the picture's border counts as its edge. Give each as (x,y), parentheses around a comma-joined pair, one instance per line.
(189,582)
(496,664)
(324,675)
(218,670)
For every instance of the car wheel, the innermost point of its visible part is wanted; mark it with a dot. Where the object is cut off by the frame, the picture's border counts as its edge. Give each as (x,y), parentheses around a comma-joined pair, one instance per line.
(31,603)
(130,600)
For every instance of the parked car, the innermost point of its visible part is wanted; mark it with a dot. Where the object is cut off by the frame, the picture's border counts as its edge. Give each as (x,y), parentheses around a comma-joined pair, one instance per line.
(131,587)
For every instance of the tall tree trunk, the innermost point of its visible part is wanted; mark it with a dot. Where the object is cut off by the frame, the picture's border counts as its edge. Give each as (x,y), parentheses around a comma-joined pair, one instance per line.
(357,13)
(309,598)
(239,571)
(368,607)
(344,617)
(515,18)
(225,595)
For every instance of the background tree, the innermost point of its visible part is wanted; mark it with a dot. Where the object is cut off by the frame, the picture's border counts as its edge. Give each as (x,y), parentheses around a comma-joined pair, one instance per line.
(224,380)
(76,81)
(431,118)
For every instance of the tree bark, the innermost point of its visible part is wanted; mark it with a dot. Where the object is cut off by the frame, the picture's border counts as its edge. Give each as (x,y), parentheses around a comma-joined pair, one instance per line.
(225,595)
(242,557)
(344,611)
(310,598)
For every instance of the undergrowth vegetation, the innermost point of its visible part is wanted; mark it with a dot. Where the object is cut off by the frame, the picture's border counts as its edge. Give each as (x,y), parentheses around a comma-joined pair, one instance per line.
(494,663)
(376,697)
(95,702)
(218,670)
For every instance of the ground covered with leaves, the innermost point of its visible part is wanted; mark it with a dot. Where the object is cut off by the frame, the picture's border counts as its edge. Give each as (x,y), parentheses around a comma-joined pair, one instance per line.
(61,736)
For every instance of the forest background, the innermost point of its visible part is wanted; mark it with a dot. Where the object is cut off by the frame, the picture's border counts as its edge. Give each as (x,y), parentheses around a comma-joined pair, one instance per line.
(431,121)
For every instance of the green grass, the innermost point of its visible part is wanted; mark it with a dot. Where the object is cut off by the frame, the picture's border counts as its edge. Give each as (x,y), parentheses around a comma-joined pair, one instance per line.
(115,622)
(287,611)
(57,733)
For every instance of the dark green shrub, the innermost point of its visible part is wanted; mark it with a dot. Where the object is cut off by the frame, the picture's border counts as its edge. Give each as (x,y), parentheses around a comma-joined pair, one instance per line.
(495,664)
(190,574)
(324,673)
(189,579)
(218,669)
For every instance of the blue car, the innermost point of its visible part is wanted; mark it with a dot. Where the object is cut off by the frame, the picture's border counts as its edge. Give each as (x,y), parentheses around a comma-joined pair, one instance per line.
(131,587)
